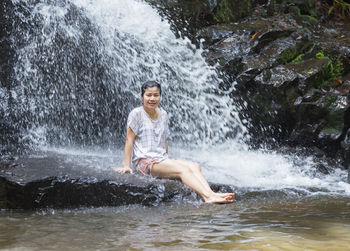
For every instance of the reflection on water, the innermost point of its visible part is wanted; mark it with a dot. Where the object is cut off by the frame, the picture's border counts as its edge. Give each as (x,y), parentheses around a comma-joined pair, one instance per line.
(314,223)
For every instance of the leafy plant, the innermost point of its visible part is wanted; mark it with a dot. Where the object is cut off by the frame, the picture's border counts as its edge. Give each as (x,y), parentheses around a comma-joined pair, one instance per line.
(333,69)
(340,8)
(298,59)
(320,54)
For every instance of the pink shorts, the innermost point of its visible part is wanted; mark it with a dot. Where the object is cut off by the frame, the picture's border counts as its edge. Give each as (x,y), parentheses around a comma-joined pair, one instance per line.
(145,165)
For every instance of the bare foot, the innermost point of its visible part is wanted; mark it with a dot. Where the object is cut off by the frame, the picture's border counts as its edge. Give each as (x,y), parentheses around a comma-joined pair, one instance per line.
(226,195)
(219,199)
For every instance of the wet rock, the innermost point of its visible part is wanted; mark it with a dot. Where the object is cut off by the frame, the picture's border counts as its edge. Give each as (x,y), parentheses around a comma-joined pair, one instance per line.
(290,77)
(185,17)
(230,11)
(64,192)
(322,168)
(50,182)
(346,144)
(188,17)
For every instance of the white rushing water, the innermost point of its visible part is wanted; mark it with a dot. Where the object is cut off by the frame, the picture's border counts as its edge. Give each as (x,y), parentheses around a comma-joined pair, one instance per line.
(140,46)
(118,45)
(151,49)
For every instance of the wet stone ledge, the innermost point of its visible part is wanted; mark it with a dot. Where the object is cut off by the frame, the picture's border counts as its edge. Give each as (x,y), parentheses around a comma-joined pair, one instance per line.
(35,183)
(63,192)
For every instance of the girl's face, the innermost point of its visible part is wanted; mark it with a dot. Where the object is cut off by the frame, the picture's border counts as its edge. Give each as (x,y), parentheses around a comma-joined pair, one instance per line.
(151,97)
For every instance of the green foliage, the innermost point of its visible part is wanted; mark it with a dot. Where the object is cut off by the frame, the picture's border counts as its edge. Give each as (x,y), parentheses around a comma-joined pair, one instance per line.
(333,69)
(231,10)
(330,99)
(320,54)
(223,12)
(295,54)
(288,55)
(338,69)
(307,9)
(340,8)
(330,130)
(298,59)
(313,19)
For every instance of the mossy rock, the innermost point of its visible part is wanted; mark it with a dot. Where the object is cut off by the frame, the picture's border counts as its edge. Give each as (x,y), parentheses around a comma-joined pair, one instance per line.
(337,107)
(296,53)
(304,10)
(232,10)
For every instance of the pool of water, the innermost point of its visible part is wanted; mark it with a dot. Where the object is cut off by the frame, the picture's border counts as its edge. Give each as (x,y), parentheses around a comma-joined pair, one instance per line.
(312,223)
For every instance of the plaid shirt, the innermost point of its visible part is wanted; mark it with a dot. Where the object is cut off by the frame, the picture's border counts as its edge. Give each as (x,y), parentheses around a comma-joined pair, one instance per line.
(150,134)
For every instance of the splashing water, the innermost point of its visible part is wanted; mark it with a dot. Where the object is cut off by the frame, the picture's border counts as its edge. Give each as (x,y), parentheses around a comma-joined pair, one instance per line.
(82,65)
(78,75)
(257,171)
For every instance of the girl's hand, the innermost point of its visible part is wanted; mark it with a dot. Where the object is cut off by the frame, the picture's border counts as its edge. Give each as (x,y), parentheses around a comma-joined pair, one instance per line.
(124,170)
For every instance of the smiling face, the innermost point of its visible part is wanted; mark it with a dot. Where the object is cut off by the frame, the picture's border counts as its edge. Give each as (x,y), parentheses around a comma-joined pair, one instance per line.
(151,97)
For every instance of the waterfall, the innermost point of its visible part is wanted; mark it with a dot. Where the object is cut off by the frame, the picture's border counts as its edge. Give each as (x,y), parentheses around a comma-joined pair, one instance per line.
(80,65)
(77,74)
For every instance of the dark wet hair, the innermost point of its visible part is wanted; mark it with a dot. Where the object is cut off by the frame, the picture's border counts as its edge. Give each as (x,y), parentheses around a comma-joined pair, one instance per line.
(150,84)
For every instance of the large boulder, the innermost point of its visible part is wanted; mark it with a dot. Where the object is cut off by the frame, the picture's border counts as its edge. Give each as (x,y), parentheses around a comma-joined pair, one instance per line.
(65,192)
(52,181)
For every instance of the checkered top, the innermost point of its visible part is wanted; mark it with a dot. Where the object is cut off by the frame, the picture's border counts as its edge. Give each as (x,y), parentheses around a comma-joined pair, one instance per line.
(150,134)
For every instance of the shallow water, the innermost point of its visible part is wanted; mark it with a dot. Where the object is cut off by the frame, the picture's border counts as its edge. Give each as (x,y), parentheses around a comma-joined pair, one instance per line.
(282,203)
(313,223)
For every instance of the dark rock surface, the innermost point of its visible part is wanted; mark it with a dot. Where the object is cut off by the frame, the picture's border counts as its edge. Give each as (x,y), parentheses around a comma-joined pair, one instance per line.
(65,192)
(49,181)
(291,78)
(187,17)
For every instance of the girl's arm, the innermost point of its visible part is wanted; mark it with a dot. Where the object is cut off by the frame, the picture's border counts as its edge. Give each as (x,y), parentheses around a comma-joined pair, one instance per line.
(129,142)
(166,146)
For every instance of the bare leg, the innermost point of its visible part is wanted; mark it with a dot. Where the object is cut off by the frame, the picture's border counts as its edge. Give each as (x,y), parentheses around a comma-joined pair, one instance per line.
(171,168)
(198,173)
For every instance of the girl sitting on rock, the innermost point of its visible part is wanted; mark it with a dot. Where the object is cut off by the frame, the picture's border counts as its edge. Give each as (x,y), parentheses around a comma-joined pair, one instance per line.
(146,141)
